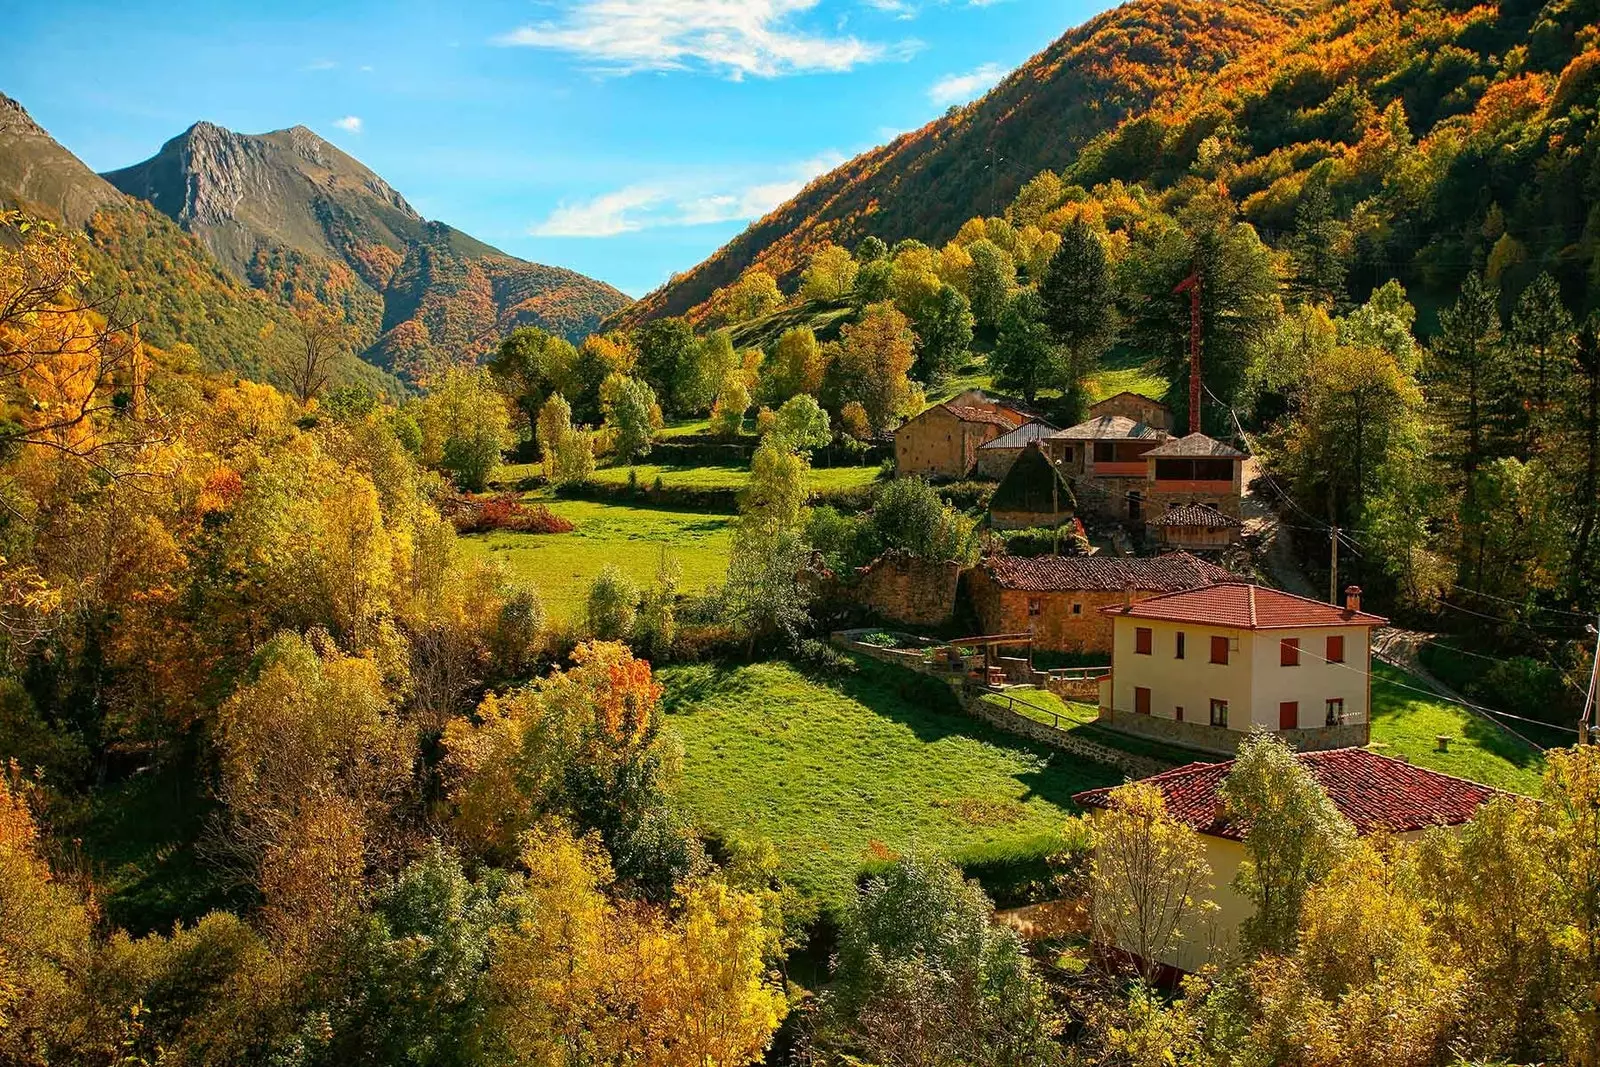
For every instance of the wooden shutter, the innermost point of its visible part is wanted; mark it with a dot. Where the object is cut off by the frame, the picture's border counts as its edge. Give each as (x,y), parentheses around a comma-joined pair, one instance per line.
(1141,700)
(1142,640)
(1289,715)
(1289,652)
(1219,650)
(1336,649)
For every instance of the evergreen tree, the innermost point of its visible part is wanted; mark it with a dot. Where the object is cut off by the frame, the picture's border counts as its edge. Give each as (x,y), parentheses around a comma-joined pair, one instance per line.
(1583,420)
(1076,297)
(1315,248)
(943,325)
(1542,329)
(1026,356)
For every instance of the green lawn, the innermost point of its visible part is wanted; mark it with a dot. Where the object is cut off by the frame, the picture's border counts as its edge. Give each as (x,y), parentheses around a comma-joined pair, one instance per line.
(729,477)
(563,565)
(1407,723)
(1126,372)
(1073,717)
(839,774)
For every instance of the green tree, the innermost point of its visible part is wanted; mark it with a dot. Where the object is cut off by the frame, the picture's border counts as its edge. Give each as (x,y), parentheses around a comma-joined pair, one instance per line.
(768,552)
(1317,248)
(1296,837)
(869,365)
(701,378)
(1582,419)
(830,276)
(530,364)
(632,415)
(909,514)
(1466,364)
(1026,356)
(943,326)
(798,365)
(611,606)
(551,429)
(464,427)
(992,281)
(669,354)
(733,400)
(1078,296)
(800,425)
(1543,332)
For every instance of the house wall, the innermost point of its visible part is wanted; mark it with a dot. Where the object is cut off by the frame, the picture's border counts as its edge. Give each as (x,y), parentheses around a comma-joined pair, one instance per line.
(936,443)
(1224,496)
(1195,537)
(995,462)
(1057,627)
(1139,408)
(1253,682)
(910,591)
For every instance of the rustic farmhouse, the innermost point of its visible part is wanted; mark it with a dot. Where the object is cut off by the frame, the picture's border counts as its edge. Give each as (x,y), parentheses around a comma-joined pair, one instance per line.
(1191,470)
(1134,406)
(1105,459)
(943,441)
(1204,668)
(1058,598)
(1033,493)
(1194,528)
(996,457)
(1374,792)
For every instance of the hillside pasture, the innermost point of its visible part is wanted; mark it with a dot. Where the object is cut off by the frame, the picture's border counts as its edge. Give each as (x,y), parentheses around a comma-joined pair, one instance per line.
(840,774)
(822,479)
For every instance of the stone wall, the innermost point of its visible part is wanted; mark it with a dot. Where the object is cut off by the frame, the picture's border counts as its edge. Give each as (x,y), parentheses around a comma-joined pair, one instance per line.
(993,463)
(1081,690)
(1014,722)
(907,590)
(1066,622)
(1139,408)
(937,444)
(1203,737)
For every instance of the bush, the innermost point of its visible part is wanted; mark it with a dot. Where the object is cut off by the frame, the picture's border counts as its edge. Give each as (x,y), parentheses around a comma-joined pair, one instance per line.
(1066,540)
(1521,682)
(612,606)
(819,657)
(967,496)
(506,511)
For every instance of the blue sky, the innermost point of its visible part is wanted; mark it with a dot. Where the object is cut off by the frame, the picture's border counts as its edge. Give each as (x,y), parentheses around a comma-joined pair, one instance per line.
(627,139)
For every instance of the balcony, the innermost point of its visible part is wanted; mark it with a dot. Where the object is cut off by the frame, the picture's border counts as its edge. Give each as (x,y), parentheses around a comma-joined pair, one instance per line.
(1208,488)
(1119,469)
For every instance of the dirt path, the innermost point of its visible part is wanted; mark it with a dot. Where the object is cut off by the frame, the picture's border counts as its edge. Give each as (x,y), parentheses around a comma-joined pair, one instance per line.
(1277,541)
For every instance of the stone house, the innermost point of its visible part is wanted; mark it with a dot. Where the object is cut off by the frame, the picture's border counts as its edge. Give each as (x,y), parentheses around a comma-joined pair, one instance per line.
(1058,598)
(1192,470)
(1134,406)
(902,588)
(1375,793)
(1033,493)
(996,457)
(1204,668)
(1194,528)
(1105,460)
(943,441)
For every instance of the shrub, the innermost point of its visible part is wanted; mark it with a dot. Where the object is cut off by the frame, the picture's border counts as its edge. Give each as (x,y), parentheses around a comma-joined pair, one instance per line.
(1066,540)
(612,606)
(505,511)
(822,658)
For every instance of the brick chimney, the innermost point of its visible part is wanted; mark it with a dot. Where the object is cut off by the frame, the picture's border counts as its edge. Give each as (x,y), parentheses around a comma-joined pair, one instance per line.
(1352,599)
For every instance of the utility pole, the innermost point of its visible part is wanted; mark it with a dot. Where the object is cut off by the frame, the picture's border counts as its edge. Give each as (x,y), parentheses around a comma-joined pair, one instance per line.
(1191,285)
(1333,579)
(1587,726)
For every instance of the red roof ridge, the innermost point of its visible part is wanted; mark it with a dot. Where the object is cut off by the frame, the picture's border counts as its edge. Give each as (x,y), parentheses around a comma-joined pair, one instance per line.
(1206,605)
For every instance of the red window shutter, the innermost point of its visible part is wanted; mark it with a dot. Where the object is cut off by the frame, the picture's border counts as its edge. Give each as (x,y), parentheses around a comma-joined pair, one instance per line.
(1141,700)
(1289,715)
(1219,650)
(1336,649)
(1142,641)
(1289,652)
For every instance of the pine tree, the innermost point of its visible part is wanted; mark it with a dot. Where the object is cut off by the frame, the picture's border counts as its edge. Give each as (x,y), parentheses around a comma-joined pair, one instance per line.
(1026,356)
(1542,329)
(1076,295)
(1319,266)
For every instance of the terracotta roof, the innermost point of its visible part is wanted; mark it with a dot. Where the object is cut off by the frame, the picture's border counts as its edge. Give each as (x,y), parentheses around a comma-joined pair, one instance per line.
(976,414)
(1111,427)
(1103,574)
(1193,446)
(1202,515)
(1370,790)
(1130,392)
(1019,438)
(1239,606)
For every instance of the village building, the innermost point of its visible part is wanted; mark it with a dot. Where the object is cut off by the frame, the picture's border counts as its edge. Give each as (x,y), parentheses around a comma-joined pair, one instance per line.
(1204,668)
(1105,459)
(1134,406)
(996,457)
(1194,528)
(943,441)
(1032,494)
(1058,598)
(1375,793)
(1192,470)
(902,588)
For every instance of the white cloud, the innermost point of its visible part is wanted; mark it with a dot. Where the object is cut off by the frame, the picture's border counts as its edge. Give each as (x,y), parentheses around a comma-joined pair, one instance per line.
(676,202)
(732,37)
(350,123)
(322,64)
(960,88)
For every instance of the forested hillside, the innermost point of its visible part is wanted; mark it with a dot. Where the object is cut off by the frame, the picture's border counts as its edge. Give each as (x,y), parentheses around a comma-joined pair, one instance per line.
(297,218)
(926,183)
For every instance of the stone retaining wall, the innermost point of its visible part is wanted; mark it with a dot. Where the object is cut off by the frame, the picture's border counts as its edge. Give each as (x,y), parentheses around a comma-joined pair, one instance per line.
(1078,690)
(1203,737)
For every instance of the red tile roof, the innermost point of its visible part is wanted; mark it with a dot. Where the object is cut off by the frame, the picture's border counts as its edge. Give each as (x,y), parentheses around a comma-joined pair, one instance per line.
(1104,574)
(1370,790)
(976,414)
(1238,606)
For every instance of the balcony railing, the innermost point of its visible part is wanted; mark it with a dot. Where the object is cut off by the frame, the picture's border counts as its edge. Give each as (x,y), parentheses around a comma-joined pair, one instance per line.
(1120,468)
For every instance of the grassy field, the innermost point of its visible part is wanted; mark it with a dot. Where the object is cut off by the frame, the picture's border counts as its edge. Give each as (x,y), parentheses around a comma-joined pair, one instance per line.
(1126,372)
(839,774)
(729,477)
(563,565)
(1407,723)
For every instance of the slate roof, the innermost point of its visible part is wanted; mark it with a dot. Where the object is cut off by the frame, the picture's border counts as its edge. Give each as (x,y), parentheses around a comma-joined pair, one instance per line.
(967,413)
(1370,790)
(1194,446)
(1130,392)
(1033,485)
(1239,606)
(1021,436)
(1103,574)
(1202,515)
(1111,428)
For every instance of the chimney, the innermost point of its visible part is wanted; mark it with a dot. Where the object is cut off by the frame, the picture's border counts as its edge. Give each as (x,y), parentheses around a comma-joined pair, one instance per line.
(1127,595)
(1352,599)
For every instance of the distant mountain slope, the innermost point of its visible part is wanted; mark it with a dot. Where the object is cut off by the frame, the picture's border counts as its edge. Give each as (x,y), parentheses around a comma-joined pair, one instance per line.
(972,161)
(160,275)
(288,212)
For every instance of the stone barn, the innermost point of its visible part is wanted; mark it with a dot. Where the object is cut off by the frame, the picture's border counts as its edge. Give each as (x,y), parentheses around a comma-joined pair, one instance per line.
(996,457)
(943,441)
(1058,598)
(1134,406)
(899,587)
(1033,493)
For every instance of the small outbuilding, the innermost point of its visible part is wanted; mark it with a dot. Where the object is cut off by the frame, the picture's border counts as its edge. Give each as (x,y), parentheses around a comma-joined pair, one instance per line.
(997,457)
(1195,528)
(1135,406)
(1033,493)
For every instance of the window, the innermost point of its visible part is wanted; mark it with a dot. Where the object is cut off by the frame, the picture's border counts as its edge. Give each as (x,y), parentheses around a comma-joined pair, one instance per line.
(1179,653)
(1289,652)
(1105,452)
(1336,711)
(1219,713)
(1141,700)
(1035,607)
(1077,609)
(1289,715)
(1177,713)
(1336,649)
(1142,641)
(1219,650)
